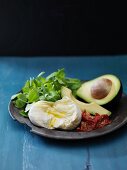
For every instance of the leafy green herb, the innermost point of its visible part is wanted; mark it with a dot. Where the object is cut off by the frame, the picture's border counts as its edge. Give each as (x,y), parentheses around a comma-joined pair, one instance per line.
(21,100)
(41,88)
(33,95)
(23,113)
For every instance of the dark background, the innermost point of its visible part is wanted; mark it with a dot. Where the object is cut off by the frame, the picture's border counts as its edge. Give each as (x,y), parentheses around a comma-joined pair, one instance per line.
(69,27)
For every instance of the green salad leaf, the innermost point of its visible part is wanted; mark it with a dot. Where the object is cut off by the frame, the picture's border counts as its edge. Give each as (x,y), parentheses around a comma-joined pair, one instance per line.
(21,100)
(23,113)
(44,88)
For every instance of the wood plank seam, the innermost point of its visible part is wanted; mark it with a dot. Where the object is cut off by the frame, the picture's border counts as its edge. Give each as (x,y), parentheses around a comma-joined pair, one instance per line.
(88,165)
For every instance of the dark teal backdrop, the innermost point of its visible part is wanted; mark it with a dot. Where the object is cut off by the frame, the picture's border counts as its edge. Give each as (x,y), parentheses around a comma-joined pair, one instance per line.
(47,27)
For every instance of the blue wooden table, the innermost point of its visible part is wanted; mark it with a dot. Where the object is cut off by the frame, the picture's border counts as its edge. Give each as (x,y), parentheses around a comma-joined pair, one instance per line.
(22,150)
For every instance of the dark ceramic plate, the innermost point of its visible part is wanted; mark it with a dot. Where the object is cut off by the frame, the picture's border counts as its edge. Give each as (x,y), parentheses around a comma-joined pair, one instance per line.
(119,118)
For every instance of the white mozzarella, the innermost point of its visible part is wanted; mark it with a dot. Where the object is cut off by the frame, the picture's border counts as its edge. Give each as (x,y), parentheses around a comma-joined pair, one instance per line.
(62,114)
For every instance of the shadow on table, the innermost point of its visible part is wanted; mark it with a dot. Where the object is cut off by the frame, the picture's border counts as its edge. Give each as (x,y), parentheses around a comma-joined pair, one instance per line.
(103,142)
(92,141)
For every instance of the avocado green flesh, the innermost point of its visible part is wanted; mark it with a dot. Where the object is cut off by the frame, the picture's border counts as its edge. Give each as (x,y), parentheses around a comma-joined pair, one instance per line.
(91,107)
(84,92)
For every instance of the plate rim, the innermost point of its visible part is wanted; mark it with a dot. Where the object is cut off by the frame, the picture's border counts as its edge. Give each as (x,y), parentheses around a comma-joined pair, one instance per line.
(49,133)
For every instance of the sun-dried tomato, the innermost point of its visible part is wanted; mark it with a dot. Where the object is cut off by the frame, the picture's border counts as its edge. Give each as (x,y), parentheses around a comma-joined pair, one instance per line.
(91,122)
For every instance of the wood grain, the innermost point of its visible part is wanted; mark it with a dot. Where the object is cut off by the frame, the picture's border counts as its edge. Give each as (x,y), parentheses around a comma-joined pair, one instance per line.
(26,151)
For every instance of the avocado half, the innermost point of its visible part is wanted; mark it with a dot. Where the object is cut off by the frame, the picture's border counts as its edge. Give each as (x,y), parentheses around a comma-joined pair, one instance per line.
(105,90)
(92,108)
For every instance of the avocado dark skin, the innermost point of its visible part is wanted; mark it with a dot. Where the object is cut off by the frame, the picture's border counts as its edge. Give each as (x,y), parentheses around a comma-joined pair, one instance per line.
(113,104)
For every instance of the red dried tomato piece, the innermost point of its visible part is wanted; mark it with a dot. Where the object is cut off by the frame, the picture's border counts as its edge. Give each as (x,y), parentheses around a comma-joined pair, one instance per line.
(90,122)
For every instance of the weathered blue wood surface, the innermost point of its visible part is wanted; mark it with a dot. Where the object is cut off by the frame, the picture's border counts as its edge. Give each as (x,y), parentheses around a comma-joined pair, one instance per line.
(22,150)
